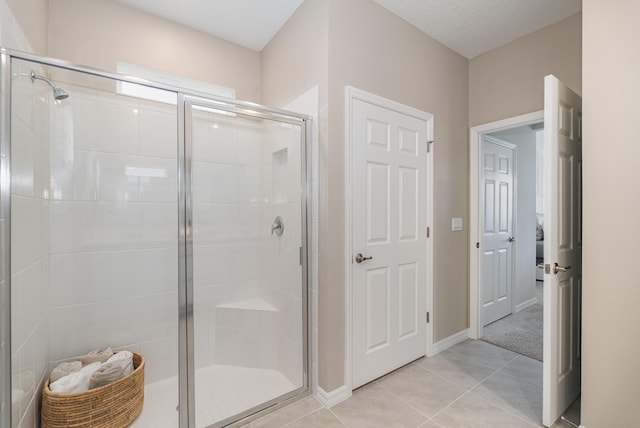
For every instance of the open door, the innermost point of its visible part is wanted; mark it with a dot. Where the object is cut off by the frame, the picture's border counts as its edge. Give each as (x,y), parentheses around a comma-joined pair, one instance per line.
(562,248)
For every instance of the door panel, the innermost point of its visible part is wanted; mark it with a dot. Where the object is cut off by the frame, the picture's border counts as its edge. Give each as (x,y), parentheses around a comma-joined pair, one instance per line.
(562,245)
(378,203)
(390,170)
(497,196)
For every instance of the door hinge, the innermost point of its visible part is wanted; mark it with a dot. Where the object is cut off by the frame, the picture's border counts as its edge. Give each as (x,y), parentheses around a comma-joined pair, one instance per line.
(429,145)
(300,256)
(427,317)
(477,245)
(428,231)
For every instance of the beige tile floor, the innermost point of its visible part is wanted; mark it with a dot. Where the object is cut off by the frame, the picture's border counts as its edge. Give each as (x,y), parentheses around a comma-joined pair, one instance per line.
(472,384)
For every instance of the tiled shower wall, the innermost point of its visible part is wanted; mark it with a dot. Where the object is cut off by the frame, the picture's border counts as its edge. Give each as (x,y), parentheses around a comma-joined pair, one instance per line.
(94,232)
(29,245)
(113,220)
(248,289)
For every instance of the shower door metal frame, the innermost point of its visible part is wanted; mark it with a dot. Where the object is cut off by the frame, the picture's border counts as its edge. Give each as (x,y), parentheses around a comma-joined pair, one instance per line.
(253,111)
(186,347)
(5,242)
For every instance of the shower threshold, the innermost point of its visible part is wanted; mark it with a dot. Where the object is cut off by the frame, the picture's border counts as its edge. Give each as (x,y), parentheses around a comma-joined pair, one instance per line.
(221,392)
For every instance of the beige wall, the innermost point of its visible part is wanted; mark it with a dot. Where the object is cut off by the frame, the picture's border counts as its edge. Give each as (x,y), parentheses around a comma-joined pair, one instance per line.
(367,47)
(508,81)
(33,18)
(98,33)
(376,51)
(611,292)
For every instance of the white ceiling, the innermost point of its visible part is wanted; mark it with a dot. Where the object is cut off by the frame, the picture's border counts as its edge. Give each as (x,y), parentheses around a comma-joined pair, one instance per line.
(473,27)
(248,23)
(470,27)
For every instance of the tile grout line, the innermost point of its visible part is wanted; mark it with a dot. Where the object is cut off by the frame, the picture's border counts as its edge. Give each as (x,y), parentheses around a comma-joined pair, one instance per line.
(459,386)
(337,417)
(405,402)
(451,404)
(506,410)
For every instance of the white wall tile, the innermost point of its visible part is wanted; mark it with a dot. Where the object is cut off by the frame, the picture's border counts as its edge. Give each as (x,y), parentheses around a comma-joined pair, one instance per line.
(223,347)
(248,146)
(211,264)
(203,355)
(29,301)
(161,358)
(200,140)
(158,270)
(203,316)
(157,316)
(247,262)
(117,178)
(83,121)
(249,185)
(223,184)
(217,223)
(158,180)
(158,225)
(73,174)
(22,93)
(114,276)
(222,145)
(117,126)
(23,158)
(200,183)
(27,232)
(72,279)
(117,225)
(72,226)
(158,133)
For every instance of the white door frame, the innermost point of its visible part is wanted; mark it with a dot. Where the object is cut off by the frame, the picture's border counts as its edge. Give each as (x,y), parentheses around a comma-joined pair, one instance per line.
(475,147)
(352,94)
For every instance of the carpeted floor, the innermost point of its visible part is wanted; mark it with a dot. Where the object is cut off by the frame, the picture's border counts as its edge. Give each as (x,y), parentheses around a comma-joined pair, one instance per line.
(520,332)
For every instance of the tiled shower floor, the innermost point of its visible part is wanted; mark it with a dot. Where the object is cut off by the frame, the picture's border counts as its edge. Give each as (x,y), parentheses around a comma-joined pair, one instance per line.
(221,392)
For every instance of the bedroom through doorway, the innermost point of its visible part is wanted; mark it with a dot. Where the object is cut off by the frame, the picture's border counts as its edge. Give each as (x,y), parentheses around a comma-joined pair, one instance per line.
(512,238)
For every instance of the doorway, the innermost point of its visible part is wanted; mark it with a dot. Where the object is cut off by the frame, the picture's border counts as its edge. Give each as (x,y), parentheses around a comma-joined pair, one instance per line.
(511,302)
(502,128)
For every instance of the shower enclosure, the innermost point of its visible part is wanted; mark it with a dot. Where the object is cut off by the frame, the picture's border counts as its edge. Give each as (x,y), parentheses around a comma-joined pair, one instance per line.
(166,223)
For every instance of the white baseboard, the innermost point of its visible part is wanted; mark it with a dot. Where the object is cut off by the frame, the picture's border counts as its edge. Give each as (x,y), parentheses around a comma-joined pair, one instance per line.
(526,304)
(330,399)
(448,342)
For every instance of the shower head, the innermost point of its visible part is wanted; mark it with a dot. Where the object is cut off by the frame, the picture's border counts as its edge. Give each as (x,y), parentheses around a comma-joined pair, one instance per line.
(58,92)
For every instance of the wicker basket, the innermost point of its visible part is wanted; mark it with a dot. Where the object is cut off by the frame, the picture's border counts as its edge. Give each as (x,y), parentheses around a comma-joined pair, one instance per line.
(115,405)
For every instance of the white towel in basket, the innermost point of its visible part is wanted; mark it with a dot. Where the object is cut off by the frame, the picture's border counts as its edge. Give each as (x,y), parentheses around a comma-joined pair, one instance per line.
(125,360)
(96,356)
(75,382)
(65,369)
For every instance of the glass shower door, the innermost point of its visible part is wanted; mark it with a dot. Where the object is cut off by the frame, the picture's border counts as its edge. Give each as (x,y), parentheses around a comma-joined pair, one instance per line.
(94,233)
(249,295)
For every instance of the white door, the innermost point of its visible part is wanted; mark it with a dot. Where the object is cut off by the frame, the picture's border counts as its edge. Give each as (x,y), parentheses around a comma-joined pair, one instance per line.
(497,228)
(389,231)
(562,247)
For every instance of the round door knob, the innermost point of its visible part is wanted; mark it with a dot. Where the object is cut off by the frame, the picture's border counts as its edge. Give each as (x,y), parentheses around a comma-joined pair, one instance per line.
(360,258)
(512,238)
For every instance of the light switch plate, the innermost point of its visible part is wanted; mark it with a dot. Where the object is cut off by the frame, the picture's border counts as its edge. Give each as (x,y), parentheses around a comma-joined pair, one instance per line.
(456,224)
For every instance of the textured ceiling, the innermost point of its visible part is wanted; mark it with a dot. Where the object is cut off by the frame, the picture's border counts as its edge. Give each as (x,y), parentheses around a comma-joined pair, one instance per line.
(472,27)
(249,23)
